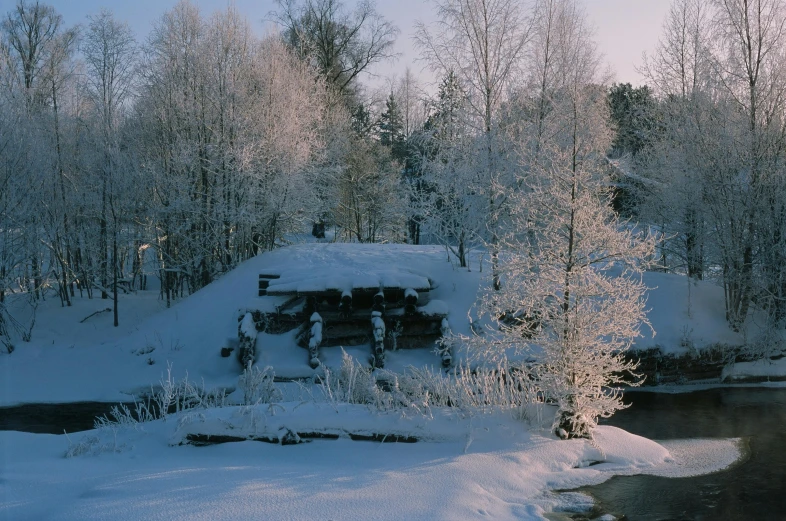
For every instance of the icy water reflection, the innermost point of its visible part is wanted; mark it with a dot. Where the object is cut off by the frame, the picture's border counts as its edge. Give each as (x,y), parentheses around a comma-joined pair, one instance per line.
(754,489)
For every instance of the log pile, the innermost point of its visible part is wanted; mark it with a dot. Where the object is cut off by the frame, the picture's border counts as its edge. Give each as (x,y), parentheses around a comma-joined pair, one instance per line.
(385,309)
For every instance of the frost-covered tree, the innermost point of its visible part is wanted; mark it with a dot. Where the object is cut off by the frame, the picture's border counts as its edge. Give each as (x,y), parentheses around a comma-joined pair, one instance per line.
(681,63)
(338,43)
(232,134)
(751,35)
(109,51)
(366,190)
(573,298)
(716,169)
(448,196)
(482,42)
(36,47)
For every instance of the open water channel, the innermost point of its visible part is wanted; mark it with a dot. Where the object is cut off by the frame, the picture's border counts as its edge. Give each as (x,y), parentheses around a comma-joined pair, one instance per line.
(752,490)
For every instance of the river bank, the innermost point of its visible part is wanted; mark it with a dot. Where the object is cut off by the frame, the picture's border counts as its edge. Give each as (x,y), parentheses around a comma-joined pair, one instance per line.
(717,363)
(750,489)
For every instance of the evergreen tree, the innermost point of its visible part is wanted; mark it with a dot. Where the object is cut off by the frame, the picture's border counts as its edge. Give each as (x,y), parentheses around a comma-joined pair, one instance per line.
(391,130)
(633,114)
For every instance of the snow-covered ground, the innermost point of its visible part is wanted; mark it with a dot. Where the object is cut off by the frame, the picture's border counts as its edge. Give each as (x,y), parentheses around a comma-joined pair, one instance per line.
(94,361)
(481,467)
(466,466)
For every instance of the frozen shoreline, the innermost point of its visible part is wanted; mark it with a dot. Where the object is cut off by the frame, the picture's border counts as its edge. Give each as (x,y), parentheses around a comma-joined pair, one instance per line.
(465,467)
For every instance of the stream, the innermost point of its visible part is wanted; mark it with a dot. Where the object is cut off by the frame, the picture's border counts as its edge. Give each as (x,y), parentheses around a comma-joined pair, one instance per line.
(754,489)
(53,418)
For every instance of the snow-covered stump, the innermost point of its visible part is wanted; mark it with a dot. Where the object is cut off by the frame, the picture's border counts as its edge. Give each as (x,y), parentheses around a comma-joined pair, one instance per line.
(247,340)
(315,338)
(444,344)
(345,306)
(410,302)
(378,329)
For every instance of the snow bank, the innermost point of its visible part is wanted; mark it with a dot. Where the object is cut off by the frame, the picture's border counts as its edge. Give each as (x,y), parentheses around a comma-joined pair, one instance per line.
(759,370)
(479,467)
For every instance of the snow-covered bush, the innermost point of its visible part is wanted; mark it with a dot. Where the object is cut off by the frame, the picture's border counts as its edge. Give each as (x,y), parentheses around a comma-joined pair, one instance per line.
(353,383)
(258,386)
(479,389)
(89,444)
(171,397)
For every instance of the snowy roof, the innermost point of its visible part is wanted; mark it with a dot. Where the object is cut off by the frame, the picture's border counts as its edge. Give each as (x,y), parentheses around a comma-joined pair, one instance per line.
(332,277)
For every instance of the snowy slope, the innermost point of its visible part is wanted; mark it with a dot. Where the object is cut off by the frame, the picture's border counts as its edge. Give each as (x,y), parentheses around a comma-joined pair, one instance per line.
(684,313)
(93,361)
(466,466)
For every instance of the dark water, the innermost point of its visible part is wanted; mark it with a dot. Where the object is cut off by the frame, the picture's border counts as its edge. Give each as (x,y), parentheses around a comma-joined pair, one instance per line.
(52,418)
(752,490)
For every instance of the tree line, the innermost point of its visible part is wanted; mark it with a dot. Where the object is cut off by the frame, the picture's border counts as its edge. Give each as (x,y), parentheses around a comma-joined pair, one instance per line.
(205,144)
(706,144)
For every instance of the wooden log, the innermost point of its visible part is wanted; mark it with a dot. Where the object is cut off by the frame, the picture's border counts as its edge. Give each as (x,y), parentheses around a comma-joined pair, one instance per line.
(264,282)
(410,301)
(378,330)
(315,340)
(444,344)
(378,302)
(345,307)
(287,303)
(310,306)
(247,337)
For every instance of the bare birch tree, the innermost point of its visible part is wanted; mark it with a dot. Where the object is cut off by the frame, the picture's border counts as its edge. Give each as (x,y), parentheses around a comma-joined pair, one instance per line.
(340,44)
(483,42)
(110,55)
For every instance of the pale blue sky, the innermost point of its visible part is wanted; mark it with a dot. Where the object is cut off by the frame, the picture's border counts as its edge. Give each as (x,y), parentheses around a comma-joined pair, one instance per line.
(625,28)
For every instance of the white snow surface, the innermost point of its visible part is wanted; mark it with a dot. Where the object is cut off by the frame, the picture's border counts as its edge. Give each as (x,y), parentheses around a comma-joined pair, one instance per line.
(466,466)
(483,467)
(760,369)
(344,278)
